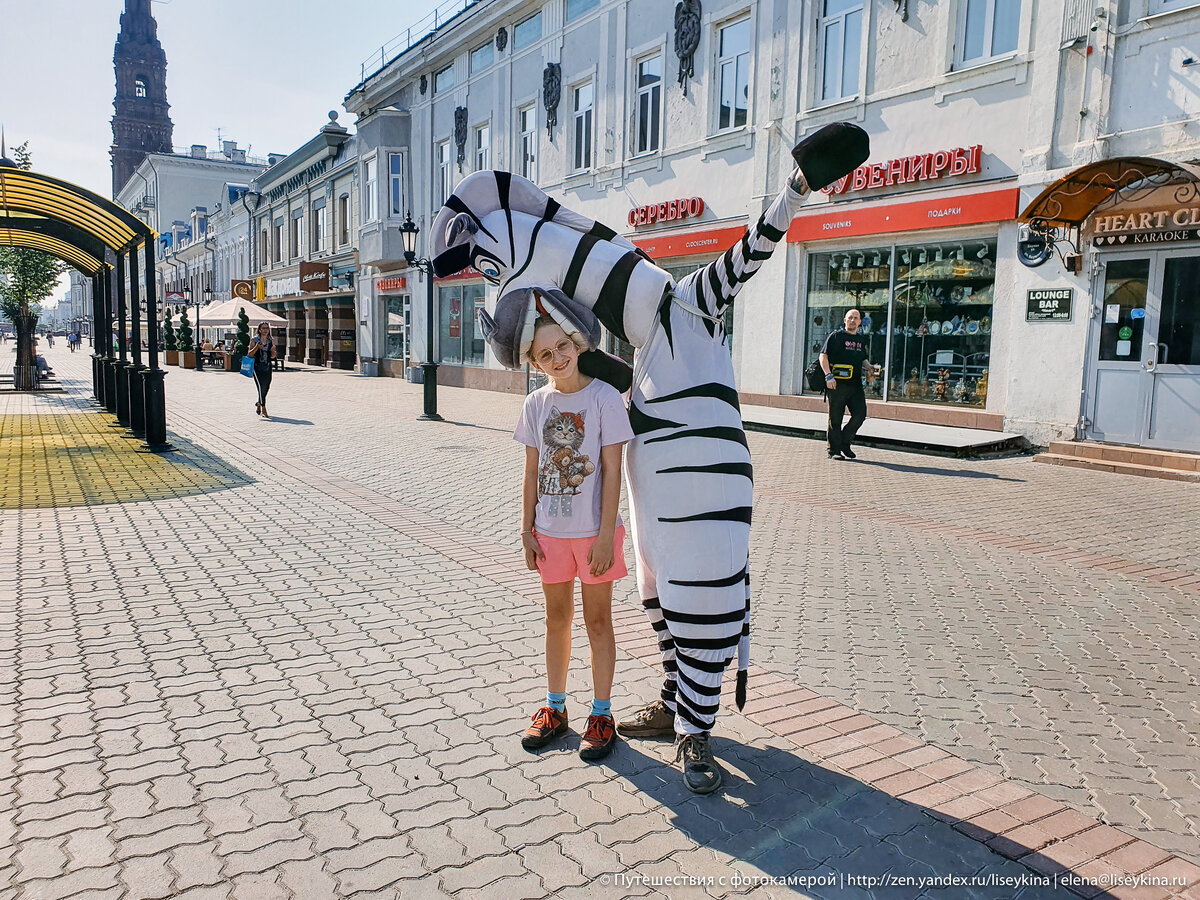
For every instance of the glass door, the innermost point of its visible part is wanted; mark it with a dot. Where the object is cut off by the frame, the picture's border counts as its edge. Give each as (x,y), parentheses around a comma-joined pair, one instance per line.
(1175,327)
(1118,388)
(1143,387)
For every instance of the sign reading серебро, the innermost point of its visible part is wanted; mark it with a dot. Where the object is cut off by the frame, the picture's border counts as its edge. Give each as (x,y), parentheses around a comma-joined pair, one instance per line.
(1049,305)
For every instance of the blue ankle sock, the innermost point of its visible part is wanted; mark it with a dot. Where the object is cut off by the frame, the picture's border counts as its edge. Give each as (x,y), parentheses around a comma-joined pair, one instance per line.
(556,702)
(601,707)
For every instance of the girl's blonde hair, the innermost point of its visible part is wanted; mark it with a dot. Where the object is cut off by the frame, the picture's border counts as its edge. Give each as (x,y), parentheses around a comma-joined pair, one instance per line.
(543,320)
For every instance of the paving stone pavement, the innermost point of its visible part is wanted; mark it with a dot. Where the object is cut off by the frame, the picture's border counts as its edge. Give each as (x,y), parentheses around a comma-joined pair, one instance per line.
(302,675)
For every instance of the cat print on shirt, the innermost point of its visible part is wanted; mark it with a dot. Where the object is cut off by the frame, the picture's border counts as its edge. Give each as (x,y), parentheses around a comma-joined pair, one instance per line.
(563,466)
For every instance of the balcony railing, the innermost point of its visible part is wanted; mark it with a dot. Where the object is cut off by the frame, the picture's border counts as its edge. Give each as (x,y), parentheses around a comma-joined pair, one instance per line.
(400,44)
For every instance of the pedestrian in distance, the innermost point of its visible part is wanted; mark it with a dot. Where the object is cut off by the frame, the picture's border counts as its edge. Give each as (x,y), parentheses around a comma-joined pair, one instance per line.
(842,359)
(262,348)
(573,430)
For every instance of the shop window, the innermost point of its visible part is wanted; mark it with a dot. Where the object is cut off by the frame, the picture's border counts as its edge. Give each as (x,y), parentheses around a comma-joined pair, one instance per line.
(527,125)
(396,183)
(733,74)
(938,300)
(460,341)
(481,57)
(839,282)
(840,39)
(582,117)
(398,312)
(444,79)
(987,29)
(649,104)
(527,31)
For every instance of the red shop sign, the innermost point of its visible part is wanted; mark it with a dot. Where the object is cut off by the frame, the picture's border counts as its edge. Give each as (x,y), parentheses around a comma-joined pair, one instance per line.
(907,169)
(390,284)
(713,241)
(665,212)
(849,220)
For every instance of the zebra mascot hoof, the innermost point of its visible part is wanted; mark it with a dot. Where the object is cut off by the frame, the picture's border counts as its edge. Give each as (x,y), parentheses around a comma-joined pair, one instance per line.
(831,153)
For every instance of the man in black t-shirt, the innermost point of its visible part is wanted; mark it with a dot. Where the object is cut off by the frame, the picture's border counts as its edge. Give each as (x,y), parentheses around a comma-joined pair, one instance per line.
(842,359)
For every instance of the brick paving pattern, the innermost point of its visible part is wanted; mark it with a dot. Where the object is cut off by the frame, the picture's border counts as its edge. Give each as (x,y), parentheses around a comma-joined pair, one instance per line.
(303,673)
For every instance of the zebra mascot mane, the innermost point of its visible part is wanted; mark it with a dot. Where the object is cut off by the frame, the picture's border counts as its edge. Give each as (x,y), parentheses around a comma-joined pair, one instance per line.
(688,468)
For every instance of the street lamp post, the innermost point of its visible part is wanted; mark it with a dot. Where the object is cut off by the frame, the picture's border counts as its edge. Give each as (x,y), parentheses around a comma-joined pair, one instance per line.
(408,232)
(199,358)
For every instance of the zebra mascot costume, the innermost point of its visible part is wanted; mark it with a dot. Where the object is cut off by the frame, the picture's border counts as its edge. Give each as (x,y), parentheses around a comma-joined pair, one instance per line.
(688,467)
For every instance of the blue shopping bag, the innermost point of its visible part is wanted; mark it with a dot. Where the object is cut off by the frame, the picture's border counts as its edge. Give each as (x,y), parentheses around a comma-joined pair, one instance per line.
(248,366)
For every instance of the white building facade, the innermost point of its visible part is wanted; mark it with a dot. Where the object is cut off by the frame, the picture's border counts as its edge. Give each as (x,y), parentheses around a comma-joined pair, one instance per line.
(975,107)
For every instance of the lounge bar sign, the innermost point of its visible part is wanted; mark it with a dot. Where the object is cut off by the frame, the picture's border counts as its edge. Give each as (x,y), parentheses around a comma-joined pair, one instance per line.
(669,211)
(1053,305)
(909,169)
(1157,226)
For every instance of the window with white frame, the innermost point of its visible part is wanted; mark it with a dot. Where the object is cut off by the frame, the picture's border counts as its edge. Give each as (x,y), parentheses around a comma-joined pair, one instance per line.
(733,74)
(528,31)
(445,174)
(396,184)
(482,148)
(987,29)
(839,33)
(319,223)
(576,8)
(649,104)
(296,234)
(481,58)
(1161,6)
(444,79)
(344,219)
(583,96)
(527,126)
(262,250)
(370,193)
(277,243)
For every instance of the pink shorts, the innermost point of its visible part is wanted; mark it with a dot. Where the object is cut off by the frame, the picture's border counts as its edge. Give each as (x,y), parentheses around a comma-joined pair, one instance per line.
(567,559)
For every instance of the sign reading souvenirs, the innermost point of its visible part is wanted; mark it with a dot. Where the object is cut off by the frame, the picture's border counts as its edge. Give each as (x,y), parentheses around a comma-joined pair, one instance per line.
(908,169)
(1049,305)
(1158,226)
(390,284)
(666,212)
(314,276)
(242,290)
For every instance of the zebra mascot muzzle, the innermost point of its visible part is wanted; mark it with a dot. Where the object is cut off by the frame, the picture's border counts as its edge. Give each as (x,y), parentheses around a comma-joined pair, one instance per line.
(688,468)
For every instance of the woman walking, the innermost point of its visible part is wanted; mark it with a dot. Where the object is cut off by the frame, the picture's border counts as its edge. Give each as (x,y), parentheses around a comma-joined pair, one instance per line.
(262,348)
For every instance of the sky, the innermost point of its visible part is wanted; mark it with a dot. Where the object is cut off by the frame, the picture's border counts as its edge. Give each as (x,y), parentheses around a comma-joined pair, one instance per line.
(265,72)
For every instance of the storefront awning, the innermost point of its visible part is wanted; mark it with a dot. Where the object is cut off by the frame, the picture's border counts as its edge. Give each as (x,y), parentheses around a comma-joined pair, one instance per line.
(1072,198)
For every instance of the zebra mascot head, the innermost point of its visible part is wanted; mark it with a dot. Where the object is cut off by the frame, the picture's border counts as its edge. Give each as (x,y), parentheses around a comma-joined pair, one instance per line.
(545,257)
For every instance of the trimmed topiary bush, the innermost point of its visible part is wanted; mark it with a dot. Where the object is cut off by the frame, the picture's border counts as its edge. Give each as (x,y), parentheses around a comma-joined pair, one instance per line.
(185,342)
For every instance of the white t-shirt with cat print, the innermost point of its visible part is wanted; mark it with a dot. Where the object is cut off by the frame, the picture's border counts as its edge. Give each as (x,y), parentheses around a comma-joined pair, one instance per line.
(568,431)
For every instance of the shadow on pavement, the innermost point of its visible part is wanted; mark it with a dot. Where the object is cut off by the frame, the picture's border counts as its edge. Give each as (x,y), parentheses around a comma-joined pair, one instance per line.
(934,470)
(822,833)
(289,421)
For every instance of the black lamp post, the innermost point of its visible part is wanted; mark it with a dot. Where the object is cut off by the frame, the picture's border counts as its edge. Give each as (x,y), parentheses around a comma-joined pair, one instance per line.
(196,339)
(408,232)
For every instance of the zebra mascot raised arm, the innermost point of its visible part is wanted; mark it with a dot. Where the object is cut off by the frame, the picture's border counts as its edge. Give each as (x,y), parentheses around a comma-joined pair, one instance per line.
(688,467)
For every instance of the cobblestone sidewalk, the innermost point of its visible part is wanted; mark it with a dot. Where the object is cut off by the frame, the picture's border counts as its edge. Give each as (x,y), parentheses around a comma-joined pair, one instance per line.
(303,676)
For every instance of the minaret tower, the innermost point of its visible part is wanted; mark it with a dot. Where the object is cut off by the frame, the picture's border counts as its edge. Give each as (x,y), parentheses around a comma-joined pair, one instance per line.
(141,124)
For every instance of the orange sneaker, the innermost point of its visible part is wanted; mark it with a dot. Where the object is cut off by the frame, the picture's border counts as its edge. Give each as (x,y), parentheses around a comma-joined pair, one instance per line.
(548,723)
(599,738)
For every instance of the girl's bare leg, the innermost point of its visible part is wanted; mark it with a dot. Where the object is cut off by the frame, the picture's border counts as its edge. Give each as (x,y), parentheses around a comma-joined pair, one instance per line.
(597,616)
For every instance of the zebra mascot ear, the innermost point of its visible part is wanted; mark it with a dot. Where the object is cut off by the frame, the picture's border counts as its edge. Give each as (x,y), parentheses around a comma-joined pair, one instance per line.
(509,331)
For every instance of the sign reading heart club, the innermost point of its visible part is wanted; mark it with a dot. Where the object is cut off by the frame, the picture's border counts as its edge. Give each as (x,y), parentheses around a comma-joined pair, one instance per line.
(1155,226)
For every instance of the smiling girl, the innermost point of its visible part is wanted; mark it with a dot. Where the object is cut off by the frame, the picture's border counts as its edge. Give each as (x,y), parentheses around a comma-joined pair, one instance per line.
(573,430)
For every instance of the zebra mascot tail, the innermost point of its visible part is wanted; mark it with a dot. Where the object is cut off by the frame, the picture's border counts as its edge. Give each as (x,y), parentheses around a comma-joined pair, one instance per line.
(688,468)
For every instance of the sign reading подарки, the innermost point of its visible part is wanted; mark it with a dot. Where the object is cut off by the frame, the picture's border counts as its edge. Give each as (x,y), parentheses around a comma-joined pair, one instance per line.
(1049,305)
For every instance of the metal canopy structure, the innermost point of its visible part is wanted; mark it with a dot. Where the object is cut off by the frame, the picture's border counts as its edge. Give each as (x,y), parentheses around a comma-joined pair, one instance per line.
(1071,199)
(101,240)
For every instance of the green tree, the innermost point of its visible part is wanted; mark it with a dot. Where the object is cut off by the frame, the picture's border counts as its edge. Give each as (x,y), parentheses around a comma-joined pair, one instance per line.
(29,277)
(169,335)
(185,333)
(242,344)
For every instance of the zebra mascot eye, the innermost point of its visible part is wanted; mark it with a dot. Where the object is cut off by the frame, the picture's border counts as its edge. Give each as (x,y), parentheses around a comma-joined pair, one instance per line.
(488,269)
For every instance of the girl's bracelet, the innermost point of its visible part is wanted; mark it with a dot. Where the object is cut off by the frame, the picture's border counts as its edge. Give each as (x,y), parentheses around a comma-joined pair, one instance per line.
(530,531)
